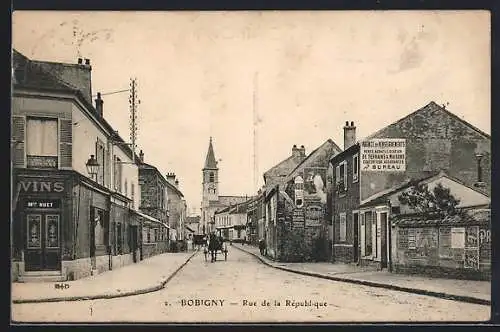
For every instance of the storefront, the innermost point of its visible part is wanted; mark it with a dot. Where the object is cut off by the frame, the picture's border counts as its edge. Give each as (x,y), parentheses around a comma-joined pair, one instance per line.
(41,221)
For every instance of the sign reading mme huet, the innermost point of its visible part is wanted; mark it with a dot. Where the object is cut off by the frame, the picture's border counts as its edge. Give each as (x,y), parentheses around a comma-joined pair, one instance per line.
(383,155)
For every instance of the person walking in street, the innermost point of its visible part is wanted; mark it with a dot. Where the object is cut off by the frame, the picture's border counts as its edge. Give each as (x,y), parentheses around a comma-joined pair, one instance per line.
(262,246)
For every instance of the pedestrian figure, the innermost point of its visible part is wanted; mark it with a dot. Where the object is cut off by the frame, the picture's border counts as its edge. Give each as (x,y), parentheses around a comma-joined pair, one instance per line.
(262,246)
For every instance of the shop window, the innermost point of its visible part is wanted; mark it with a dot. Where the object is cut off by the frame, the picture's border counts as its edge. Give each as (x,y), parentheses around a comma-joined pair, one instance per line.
(119,238)
(343,227)
(41,143)
(368,233)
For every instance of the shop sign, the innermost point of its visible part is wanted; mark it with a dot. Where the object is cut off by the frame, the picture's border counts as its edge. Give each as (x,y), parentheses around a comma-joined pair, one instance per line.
(42,204)
(383,155)
(41,186)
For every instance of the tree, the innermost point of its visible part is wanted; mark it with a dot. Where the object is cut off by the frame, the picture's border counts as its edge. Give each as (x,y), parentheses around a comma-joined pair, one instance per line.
(420,198)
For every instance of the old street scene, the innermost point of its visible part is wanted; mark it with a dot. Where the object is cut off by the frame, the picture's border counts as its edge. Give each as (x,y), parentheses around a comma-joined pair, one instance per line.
(250,167)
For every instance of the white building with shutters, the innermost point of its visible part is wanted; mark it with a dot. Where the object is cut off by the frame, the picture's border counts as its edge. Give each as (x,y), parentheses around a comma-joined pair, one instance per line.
(67,224)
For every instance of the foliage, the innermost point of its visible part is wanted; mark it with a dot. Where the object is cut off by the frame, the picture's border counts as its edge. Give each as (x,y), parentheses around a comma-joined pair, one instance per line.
(420,198)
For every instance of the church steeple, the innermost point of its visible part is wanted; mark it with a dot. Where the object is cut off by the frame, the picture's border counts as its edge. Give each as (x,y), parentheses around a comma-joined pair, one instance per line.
(210,162)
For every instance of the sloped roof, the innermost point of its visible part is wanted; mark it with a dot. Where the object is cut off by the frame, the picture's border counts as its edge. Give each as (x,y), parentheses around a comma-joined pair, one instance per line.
(432,106)
(175,189)
(328,143)
(193,220)
(463,218)
(382,196)
(210,162)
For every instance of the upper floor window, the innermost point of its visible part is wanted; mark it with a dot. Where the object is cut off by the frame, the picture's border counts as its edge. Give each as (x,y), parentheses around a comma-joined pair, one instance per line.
(341,177)
(126,187)
(355,168)
(118,174)
(42,142)
(211,177)
(100,153)
(132,194)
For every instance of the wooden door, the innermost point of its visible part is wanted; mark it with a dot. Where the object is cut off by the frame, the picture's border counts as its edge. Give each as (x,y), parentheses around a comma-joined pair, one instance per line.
(43,232)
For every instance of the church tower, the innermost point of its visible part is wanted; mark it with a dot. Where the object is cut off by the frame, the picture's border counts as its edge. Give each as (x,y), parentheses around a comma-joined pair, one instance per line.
(210,186)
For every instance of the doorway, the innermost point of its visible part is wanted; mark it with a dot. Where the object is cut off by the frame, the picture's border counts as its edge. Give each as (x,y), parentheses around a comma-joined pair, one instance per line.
(133,242)
(355,224)
(383,239)
(42,242)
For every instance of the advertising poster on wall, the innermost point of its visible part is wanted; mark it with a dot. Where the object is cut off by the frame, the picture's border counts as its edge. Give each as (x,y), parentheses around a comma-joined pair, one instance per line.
(383,155)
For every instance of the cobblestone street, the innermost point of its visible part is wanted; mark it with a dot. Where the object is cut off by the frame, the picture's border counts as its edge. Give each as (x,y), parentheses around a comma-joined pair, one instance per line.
(234,290)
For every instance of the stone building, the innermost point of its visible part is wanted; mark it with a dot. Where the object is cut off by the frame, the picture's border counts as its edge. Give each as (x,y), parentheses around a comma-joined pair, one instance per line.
(67,223)
(155,230)
(211,200)
(297,209)
(435,140)
(231,222)
(177,208)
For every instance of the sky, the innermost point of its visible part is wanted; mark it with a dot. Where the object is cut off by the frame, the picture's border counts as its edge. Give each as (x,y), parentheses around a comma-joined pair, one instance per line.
(267,79)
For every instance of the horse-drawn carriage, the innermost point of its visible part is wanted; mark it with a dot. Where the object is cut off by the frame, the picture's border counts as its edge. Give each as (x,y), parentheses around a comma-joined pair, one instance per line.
(215,245)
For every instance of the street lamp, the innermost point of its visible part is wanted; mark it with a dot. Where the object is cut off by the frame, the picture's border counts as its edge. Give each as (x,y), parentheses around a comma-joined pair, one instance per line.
(92,166)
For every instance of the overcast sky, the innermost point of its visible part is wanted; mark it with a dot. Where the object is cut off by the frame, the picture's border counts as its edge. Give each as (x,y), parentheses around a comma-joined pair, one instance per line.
(316,70)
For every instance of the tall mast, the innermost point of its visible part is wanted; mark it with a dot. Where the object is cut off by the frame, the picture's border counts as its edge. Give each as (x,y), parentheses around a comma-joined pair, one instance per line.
(255,123)
(133,102)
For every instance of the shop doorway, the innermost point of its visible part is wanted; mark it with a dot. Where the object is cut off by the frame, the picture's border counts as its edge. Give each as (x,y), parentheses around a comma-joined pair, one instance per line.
(383,239)
(43,242)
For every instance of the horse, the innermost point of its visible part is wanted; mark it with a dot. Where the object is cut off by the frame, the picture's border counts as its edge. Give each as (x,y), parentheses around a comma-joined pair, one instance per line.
(213,245)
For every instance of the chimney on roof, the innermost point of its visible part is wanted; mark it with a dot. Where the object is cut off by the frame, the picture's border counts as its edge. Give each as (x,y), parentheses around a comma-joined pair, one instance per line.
(87,62)
(479,182)
(80,61)
(302,151)
(349,135)
(171,178)
(295,151)
(99,105)
(177,183)
(141,156)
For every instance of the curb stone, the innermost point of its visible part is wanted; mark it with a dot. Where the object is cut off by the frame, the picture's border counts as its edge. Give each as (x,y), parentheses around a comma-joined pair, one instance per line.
(446,296)
(109,296)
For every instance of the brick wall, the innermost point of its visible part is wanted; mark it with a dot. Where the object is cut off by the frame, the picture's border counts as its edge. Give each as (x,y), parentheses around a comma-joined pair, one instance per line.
(345,203)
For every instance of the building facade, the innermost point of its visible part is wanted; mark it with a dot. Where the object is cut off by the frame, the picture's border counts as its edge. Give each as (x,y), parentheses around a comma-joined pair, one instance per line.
(435,140)
(177,208)
(155,233)
(68,224)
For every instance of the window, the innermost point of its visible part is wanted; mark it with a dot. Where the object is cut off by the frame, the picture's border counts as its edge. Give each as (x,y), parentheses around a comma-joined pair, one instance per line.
(341,177)
(355,168)
(118,174)
(125,187)
(368,233)
(148,235)
(211,177)
(42,143)
(343,226)
(100,153)
(132,193)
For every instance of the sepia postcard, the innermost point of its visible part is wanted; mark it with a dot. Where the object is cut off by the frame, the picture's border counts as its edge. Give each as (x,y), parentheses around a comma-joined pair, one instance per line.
(250,166)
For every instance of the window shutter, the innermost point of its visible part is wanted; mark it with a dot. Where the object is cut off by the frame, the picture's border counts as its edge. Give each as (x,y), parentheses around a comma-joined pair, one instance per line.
(345,175)
(66,143)
(18,131)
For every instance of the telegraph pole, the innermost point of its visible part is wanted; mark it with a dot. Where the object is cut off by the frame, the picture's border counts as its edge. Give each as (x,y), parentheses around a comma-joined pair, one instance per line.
(134,102)
(255,123)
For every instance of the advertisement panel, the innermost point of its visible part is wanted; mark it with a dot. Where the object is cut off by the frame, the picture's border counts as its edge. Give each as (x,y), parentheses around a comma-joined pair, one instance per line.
(383,155)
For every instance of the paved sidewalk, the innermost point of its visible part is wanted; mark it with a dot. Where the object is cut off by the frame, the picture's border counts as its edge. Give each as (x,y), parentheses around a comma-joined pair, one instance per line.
(146,276)
(470,291)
